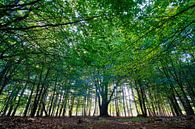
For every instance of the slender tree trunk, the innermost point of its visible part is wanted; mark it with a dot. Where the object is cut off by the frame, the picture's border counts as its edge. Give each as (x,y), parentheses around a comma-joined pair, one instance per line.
(18,102)
(59,103)
(130,101)
(136,105)
(95,106)
(9,100)
(89,112)
(71,106)
(12,102)
(77,106)
(84,106)
(52,98)
(124,106)
(29,99)
(35,104)
(65,104)
(141,98)
(117,108)
(175,105)
(186,103)
(62,105)
(55,103)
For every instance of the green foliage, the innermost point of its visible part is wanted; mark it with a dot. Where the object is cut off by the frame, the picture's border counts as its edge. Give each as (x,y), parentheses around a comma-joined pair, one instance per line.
(69,44)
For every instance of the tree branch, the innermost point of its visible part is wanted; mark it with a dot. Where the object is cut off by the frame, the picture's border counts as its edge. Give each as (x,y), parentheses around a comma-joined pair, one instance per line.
(19,5)
(49,25)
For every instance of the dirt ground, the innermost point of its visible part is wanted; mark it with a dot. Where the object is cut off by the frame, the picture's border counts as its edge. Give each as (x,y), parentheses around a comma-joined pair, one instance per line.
(97,123)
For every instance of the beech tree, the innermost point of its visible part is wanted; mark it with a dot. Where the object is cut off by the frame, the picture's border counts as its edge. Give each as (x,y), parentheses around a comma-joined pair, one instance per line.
(60,58)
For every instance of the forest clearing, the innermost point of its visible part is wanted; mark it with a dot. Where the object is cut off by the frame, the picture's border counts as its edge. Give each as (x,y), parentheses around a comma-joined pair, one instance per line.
(97,64)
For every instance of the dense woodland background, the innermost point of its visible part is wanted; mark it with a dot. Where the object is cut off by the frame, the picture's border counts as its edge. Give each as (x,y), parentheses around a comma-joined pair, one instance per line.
(97,57)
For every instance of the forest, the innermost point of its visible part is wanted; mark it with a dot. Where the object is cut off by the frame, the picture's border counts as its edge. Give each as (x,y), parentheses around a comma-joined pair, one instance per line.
(106,62)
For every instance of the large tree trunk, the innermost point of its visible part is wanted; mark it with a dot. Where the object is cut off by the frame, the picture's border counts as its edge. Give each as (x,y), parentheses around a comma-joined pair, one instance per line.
(104,109)
(104,104)
(105,91)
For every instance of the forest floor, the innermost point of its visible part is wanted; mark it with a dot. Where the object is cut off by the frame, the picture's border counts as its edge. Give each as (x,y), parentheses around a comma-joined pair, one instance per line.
(97,122)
